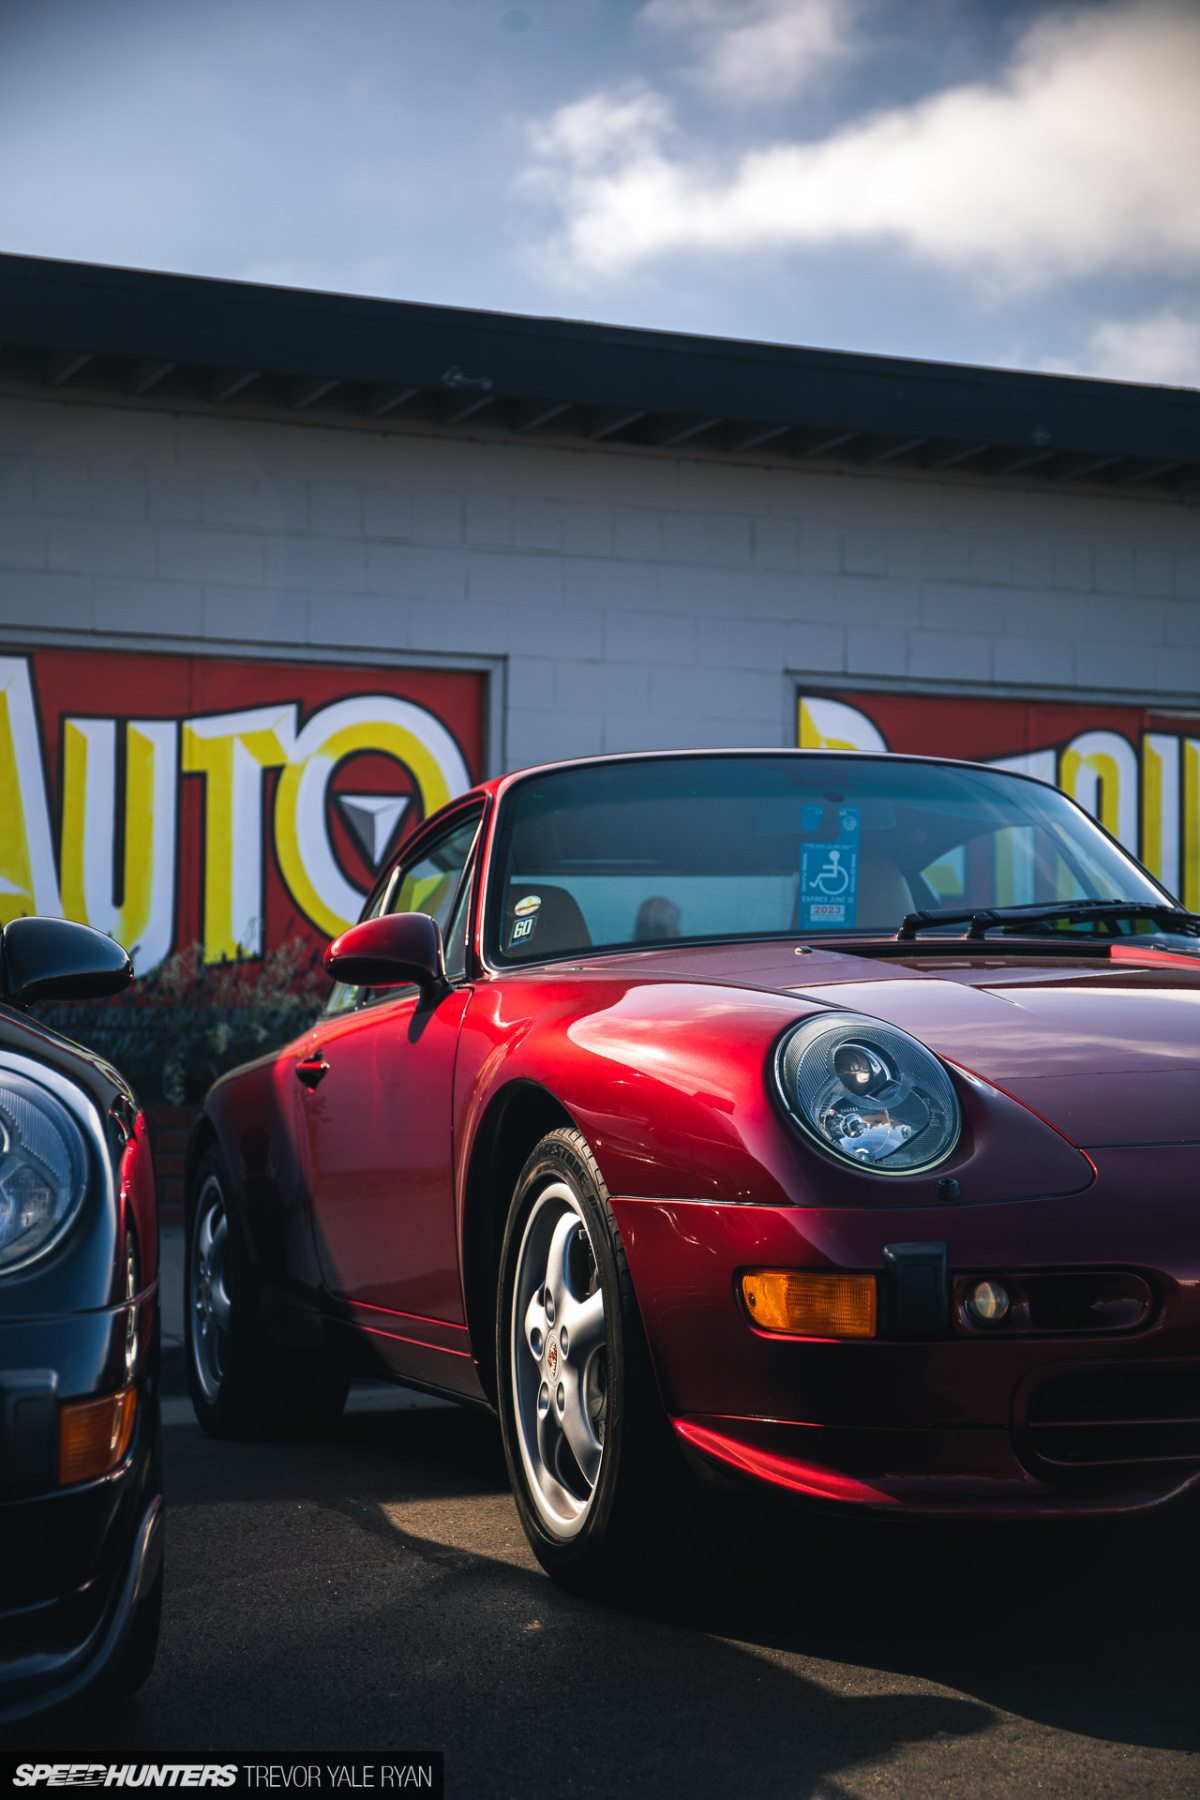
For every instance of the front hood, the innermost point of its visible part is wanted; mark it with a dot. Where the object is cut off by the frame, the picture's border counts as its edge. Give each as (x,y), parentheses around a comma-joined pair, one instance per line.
(1109,1054)
(1109,1058)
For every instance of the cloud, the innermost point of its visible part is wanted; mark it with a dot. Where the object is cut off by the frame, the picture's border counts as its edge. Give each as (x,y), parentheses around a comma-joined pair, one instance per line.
(746,51)
(1081,157)
(602,132)
(1162,348)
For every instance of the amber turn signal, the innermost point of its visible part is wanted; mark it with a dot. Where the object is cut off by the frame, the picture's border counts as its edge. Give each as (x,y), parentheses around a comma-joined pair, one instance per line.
(93,1435)
(811,1305)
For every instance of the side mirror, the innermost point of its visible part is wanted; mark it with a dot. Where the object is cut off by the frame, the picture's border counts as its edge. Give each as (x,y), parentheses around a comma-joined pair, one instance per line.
(390,952)
(57,959)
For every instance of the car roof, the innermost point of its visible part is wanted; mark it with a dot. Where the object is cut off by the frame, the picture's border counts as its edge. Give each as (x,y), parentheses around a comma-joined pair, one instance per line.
(499,784)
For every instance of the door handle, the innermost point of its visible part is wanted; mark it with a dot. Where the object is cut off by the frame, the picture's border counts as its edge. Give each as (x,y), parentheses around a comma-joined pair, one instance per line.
(311,1070)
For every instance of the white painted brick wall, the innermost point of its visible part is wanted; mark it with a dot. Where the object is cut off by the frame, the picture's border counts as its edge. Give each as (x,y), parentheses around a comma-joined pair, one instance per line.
(640,601)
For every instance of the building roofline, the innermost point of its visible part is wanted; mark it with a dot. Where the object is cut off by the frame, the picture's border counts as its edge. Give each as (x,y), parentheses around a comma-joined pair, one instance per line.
(195,342)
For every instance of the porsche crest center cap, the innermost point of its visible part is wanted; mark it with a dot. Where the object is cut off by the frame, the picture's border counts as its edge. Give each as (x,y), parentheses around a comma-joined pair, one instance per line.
(552,1356)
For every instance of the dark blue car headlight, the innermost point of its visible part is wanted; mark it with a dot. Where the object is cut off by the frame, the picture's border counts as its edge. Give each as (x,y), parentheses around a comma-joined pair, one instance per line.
(43,1171)
(868,1094)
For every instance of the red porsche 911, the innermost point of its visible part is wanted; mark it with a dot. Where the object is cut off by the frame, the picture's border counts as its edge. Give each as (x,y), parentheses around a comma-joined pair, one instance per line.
(811,1124)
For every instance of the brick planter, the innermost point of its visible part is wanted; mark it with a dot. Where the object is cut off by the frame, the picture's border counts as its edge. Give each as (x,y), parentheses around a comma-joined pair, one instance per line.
(168,1127)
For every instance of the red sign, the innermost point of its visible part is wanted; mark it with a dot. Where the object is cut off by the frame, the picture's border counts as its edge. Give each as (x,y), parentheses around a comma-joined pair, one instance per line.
(170,799)
(1135,770)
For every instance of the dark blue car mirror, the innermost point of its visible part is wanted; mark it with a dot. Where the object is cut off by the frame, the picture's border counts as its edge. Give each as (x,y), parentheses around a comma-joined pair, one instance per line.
(57,959)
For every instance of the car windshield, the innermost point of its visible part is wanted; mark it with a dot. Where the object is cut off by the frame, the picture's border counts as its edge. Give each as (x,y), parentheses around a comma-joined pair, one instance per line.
(632,853)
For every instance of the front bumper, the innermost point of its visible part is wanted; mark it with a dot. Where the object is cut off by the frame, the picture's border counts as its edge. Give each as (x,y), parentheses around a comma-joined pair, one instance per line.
(944,1425)
(78,1560)
(61,1650)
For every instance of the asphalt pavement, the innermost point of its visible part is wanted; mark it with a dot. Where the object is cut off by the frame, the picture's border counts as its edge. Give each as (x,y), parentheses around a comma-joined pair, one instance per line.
(373,1591)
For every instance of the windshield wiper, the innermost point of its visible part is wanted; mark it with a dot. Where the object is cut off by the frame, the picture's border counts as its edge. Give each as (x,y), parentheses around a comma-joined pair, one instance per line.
(982,919)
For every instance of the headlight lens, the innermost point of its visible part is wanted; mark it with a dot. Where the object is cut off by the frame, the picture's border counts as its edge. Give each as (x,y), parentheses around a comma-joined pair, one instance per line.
(869,1094)
(43,1171)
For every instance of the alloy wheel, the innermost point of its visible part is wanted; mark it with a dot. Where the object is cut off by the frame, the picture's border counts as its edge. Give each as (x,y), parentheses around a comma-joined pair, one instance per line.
(209,1292)
(559,1360)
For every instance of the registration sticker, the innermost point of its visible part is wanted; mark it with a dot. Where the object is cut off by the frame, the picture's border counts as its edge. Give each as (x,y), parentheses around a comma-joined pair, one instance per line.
(528,903)
(829,873)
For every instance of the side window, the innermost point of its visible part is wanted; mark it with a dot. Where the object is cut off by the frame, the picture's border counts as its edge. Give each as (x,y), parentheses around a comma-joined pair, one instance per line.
(434,885)
(431,884)
(439,884)
(343,997)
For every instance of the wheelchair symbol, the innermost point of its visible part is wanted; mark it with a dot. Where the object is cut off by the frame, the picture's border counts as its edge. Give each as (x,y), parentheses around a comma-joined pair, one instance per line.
(834,878)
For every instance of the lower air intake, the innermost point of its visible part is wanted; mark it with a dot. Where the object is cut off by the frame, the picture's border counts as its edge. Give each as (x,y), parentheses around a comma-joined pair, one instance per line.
(1111,1418)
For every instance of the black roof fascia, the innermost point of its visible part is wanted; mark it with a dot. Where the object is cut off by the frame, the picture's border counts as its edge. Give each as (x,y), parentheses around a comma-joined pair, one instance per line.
(216,324)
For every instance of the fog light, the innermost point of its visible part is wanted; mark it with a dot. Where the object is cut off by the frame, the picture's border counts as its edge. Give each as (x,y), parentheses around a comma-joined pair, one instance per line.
(93,1435)
(839,1306)
(987,1302)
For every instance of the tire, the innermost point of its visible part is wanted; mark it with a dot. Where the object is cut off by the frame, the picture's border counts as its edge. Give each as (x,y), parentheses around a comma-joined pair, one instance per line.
(604,1495)
(241,1384)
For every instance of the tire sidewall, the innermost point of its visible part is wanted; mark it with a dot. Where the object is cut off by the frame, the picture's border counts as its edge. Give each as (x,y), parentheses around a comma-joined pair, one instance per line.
(564,1157)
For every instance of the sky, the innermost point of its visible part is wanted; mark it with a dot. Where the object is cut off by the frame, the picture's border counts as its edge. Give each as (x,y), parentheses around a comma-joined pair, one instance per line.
(1000,182)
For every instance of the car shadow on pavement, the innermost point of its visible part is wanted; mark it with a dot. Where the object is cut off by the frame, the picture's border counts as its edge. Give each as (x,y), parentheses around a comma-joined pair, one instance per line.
(1088,1627)
(374,1590)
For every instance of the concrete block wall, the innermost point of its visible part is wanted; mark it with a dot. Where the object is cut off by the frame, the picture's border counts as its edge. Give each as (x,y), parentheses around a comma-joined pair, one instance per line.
(640,600)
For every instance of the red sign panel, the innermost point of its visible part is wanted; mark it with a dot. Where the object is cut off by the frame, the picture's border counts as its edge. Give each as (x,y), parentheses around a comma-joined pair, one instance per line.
(1135,770)
(175,799)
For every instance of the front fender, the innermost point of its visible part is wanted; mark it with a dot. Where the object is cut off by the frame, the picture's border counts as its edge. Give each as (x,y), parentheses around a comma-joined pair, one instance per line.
(671,1082)
(665,1079)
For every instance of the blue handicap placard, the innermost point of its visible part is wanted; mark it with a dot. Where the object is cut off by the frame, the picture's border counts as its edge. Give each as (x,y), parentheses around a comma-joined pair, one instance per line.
(829,871)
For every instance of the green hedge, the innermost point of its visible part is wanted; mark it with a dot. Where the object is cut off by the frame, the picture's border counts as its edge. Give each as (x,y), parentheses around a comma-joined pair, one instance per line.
(186,1022)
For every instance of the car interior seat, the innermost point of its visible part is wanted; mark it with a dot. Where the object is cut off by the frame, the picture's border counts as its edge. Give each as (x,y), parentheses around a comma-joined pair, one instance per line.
(884,895)
(657,918)
(558,924)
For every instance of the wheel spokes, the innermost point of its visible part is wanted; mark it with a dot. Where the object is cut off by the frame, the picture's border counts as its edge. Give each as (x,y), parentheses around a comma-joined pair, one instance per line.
(212,1295)
(586,1447)
(547,1432)
(205,1235)
(556,1265)
(535,1325)
(218,1291)
(211,1304)
(583,1321)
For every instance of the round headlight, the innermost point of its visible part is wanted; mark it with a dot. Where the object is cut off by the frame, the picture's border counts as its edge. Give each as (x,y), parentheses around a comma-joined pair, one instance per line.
(868,1093)
(43,1171)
